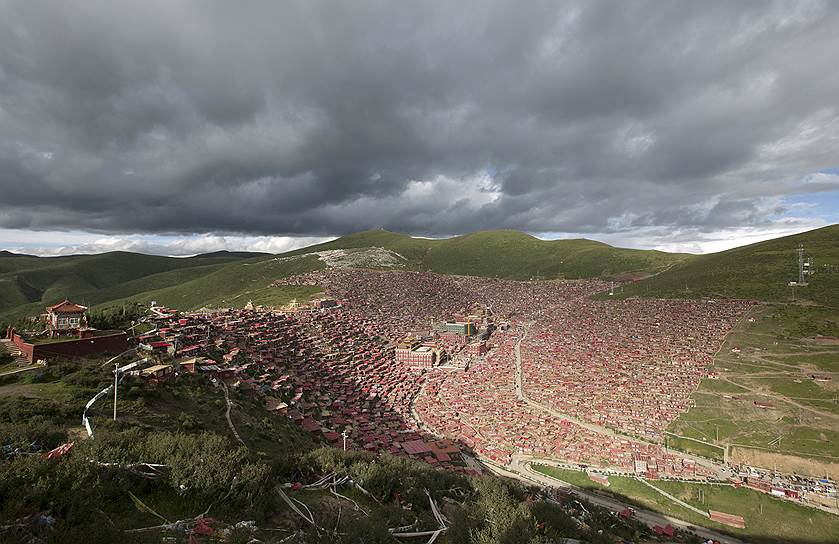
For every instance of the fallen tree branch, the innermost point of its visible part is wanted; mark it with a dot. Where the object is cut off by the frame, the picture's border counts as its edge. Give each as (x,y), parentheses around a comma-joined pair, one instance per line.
(309,519)
(432,534)
(358,508)
(152,472)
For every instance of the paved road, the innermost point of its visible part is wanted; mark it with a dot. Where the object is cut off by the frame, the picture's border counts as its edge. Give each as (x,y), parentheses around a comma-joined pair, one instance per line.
(525,473)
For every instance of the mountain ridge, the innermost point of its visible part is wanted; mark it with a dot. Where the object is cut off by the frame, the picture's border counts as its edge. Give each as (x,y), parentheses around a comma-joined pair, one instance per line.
(758,271)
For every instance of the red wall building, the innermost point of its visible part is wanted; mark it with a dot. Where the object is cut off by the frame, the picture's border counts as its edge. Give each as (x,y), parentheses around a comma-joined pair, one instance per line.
(102,342)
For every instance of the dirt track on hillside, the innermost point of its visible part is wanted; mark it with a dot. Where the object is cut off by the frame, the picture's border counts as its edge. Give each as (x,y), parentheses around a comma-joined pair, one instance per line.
(784,463)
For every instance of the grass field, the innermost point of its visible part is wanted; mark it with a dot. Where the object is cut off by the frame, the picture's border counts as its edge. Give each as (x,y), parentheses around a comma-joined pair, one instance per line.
(758,271)
(796,414)
(233,286)
(768,520)
(696,448)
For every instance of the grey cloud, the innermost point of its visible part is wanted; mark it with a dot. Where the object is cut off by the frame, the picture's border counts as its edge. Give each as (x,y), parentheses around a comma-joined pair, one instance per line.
(314,118)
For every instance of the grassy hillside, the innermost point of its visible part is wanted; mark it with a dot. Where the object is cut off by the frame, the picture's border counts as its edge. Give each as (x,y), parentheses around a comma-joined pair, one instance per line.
(757,271)
(98,493)
(232,285)
(27,284)
(509,254)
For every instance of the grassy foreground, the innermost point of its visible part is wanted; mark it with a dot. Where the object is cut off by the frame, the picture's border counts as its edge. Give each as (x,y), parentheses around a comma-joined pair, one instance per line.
(182,425)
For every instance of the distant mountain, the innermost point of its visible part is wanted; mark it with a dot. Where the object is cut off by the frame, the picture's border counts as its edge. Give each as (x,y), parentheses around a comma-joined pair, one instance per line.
(4,253)
(230,254)
(759,271)
(226,278)
(220,279)
(28,283)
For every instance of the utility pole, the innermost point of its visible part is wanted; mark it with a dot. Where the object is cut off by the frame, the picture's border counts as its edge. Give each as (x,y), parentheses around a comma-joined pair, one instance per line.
(800,263)
(116,382)
(345,435)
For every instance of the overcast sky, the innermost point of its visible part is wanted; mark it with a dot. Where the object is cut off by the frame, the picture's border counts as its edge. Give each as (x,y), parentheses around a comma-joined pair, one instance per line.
(177,127)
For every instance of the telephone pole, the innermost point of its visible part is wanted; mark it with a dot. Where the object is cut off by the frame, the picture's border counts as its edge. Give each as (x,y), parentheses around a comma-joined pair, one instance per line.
(116,382)
(800,263)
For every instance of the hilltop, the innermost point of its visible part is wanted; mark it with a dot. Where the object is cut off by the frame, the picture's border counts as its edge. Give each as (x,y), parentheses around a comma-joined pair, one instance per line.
(508,254)
(27,283)
(758,271)
(233,278)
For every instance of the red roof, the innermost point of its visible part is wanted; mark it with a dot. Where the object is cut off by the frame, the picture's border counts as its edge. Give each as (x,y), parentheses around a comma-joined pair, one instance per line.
(310,425)
(668,530)
(415,447)
(66,307)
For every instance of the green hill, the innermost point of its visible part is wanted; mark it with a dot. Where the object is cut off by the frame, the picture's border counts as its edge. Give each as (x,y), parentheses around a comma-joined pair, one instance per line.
(759,271)
(509,254)
(224,278)
(233,285)
(27,283)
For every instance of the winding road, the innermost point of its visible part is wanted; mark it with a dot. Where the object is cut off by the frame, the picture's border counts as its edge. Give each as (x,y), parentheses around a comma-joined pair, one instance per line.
(719,471)
(521,469)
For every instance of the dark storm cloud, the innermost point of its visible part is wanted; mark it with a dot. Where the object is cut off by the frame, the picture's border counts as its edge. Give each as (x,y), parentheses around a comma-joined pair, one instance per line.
(324,118)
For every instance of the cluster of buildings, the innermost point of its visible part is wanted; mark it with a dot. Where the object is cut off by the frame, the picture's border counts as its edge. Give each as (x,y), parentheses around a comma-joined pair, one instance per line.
(479,408)
(328,369)
(628,365)
(425,365)
(374,367)
(821,491)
